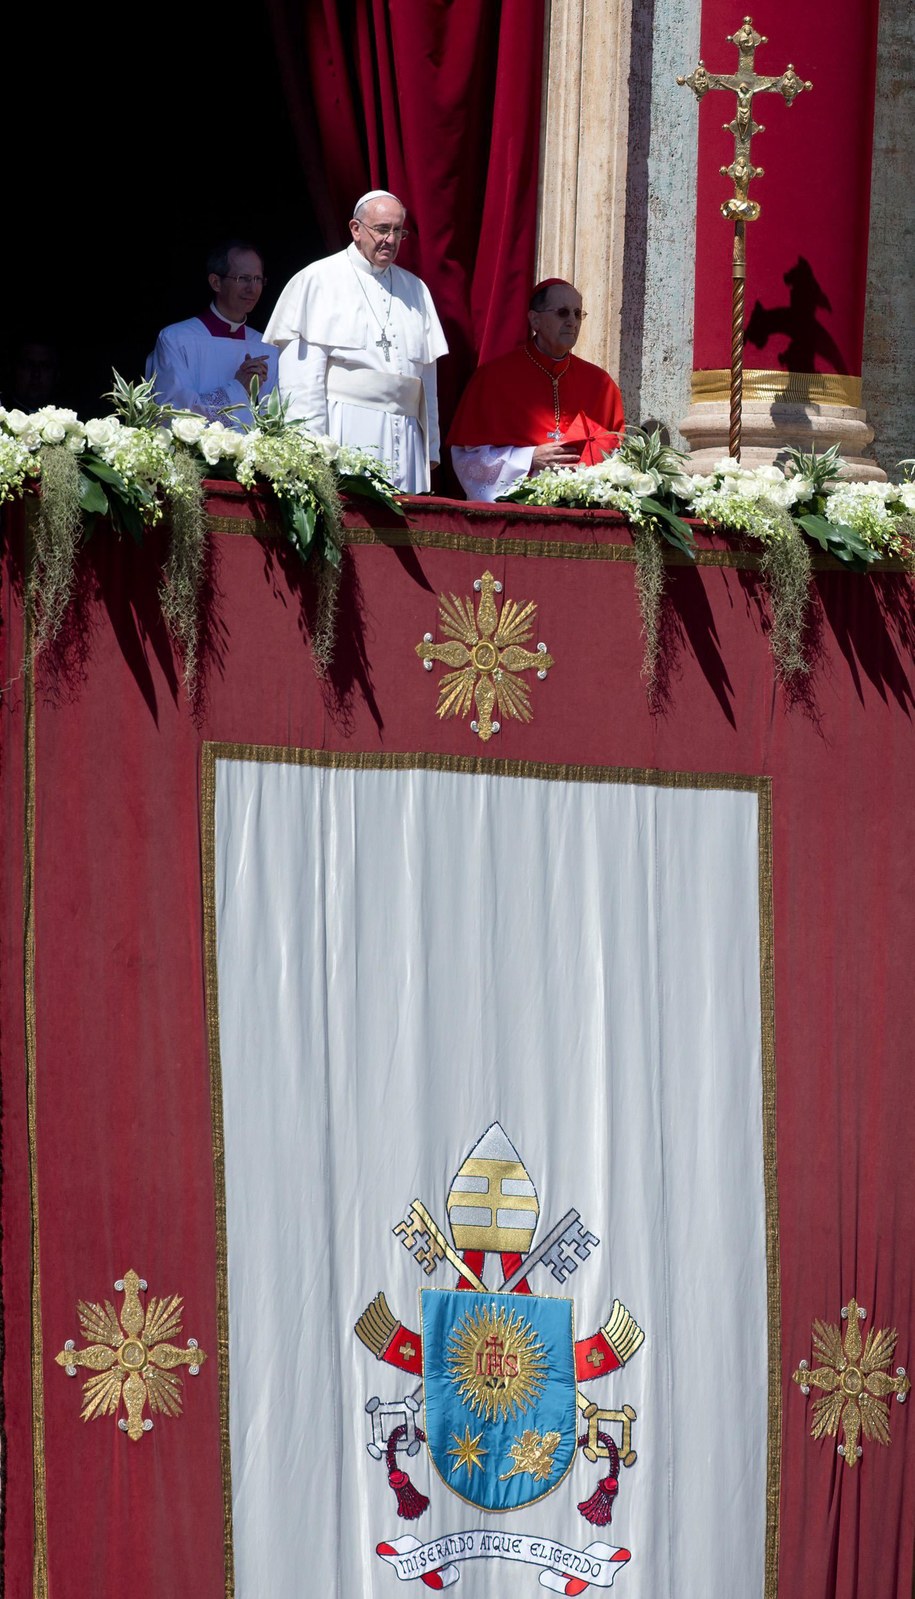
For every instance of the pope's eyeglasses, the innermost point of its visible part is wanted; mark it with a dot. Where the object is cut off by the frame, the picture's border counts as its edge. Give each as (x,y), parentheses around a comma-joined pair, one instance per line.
(384,232)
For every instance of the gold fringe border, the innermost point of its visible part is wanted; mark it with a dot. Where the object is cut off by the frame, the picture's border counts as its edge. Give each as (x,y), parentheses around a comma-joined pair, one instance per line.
(427,539)
(39,1480)
(211,990)
(770,1184)
(778,388)
(277,754)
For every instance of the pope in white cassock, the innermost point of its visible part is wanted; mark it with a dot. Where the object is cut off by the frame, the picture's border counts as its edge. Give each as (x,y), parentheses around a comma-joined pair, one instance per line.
(207,362)
(359,338)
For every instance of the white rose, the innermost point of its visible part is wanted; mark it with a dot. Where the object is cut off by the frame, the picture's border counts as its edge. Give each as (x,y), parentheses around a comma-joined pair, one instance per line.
(644,483)
(58,413)
(52,431)
(101,431)
(906,493)
(211,448)
(76,440)
(233,444)
(188,429)
(770,474)
(617,472)
(217,443)
(685,486)
(727,466)
(18,422)
(328,447)
(781,494)
(803,487)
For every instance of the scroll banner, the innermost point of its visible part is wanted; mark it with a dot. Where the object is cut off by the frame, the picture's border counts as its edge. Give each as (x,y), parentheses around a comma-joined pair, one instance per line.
(598,1564)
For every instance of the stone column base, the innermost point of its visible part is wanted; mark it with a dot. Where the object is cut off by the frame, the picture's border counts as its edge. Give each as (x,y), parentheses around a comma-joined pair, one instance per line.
(781,410)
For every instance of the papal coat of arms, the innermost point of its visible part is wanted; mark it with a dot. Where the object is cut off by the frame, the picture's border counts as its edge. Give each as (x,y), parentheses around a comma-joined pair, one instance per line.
(497,1399)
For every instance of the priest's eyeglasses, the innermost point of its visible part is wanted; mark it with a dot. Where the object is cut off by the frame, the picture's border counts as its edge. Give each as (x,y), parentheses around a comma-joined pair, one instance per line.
(248,280)
(564,311)
(385,231)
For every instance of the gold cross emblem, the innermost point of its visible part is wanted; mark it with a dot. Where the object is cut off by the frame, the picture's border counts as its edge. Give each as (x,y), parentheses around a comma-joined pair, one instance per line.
(487,654)
(132,1357)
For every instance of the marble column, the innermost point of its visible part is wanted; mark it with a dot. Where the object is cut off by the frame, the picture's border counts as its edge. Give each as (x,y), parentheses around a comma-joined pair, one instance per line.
(889,324)
(582,209)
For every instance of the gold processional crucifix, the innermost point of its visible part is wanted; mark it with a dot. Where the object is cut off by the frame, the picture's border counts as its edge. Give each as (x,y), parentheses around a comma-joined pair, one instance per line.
(740,209)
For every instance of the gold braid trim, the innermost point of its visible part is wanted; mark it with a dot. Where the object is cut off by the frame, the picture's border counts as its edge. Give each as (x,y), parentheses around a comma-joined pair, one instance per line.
(622,1332)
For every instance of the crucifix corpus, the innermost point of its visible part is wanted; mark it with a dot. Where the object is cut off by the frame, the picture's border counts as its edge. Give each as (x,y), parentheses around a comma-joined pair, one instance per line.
(740,209)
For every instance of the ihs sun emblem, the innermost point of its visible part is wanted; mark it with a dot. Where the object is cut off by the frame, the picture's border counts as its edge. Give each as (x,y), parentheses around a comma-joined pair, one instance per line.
(497,1362)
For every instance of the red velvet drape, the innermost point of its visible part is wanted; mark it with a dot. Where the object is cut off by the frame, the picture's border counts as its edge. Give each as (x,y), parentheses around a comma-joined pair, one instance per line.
(439,102)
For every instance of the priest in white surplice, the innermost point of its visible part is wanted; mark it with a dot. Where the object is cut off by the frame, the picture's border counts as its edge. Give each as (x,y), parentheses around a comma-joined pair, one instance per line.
(359,338)
(207,362)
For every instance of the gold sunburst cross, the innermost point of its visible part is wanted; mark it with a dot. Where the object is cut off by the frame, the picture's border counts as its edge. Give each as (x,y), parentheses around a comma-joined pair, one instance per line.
(487,653)
(132,1357)
(854,1381)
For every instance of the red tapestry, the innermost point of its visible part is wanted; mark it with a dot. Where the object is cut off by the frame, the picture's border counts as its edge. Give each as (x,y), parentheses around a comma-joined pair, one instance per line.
(107,1133)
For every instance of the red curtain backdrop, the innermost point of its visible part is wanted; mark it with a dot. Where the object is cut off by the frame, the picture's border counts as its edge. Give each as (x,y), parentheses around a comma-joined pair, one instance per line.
(440,103)
(815,194)
(121,1142)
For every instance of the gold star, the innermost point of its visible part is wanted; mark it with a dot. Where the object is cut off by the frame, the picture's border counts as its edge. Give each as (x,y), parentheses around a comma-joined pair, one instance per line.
(468,1452)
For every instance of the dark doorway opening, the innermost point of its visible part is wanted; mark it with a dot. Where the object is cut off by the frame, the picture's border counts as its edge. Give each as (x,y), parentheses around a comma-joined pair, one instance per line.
(134,143)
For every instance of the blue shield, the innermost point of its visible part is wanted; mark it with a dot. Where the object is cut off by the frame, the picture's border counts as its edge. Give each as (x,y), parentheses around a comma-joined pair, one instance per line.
(499,1392)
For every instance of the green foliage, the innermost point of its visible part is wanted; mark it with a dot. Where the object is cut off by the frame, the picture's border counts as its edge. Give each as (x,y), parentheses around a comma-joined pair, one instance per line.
(647,452)
(839,540)
(821,470)
(135,404)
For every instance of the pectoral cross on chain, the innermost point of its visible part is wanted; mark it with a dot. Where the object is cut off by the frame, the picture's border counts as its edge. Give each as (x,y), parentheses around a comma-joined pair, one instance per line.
(385,344)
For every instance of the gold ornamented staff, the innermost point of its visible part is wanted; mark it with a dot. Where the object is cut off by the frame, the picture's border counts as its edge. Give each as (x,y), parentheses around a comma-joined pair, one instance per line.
(740,209)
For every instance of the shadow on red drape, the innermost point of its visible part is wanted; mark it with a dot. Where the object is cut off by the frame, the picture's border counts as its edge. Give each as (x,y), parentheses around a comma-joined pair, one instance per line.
(439,101)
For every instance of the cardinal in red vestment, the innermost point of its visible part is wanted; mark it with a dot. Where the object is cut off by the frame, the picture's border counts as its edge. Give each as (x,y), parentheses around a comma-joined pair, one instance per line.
(539,406)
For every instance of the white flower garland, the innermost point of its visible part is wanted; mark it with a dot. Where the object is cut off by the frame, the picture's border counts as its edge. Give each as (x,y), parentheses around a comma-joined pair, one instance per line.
(735,497)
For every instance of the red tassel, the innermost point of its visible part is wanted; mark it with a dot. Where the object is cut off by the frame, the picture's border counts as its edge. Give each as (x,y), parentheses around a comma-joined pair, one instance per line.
(599,1508)
(410,1502)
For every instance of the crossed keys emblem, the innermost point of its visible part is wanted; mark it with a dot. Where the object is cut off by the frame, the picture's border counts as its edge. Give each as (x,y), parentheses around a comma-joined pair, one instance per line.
(493,1210)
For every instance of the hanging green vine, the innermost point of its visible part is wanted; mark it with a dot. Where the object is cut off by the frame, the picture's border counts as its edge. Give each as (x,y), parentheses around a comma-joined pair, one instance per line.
(179,593)
(57,530)
(649,583)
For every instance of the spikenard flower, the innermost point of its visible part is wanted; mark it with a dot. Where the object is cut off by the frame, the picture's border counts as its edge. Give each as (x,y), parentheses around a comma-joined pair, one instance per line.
(866,509)
(17,462)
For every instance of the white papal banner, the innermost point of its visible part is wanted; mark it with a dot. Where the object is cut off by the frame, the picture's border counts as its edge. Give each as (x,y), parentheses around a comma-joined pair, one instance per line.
(480,1034)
